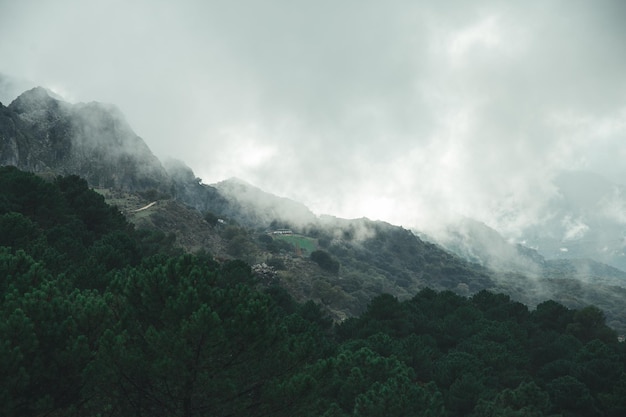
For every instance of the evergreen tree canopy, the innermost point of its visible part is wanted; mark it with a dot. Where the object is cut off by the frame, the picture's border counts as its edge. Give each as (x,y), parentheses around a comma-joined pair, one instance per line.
(97,319)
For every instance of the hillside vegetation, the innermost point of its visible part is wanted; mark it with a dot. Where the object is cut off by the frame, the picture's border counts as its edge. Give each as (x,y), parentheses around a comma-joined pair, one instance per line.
(101,319)
(359,258)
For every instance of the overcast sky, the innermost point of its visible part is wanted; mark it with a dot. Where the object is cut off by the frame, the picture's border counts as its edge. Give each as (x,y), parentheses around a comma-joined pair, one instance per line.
(406,111)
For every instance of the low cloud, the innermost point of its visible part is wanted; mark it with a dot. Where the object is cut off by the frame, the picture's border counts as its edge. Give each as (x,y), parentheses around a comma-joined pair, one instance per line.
(409,112)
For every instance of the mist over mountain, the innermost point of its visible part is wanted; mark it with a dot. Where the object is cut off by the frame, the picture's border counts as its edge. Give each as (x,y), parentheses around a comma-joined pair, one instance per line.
(11,87)
(529,275)
(46,135)
(587,220)
(255,207)
(354,208)
(479,243)
(361,258)
(189,189)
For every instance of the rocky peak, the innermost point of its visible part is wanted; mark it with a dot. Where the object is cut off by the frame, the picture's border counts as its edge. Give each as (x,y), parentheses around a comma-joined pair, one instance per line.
(93,140)
(34,100)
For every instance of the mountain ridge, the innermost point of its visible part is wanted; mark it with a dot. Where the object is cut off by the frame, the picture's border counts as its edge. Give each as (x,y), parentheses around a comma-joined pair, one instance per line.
(48,136)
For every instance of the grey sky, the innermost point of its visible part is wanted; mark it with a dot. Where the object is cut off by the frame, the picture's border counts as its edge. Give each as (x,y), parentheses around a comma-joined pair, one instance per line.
(405,111)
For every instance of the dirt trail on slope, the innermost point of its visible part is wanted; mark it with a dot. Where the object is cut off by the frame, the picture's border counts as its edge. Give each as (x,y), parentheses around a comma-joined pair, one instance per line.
(144,207)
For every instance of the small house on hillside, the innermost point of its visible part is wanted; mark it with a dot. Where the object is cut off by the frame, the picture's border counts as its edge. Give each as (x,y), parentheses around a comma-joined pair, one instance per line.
(282,232)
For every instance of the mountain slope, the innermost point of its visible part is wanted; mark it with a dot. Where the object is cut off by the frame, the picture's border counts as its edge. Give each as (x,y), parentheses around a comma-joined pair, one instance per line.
(43,134)
(527,276)
(48,136)
(254,207)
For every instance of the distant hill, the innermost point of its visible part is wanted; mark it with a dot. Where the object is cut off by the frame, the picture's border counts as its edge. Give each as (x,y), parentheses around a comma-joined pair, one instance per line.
(479,243)
(587,219)
(527,276)
(483,245)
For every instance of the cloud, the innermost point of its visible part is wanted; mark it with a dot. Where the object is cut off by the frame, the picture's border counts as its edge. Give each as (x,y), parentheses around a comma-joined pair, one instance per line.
(574,228)
(412,112)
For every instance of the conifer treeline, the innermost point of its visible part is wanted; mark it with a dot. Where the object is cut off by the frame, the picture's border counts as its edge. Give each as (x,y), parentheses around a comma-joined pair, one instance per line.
(99,319)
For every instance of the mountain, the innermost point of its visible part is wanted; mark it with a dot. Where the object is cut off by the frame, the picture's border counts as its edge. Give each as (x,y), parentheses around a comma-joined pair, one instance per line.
(528,276)
(43,134)
(375,257)
(586,219)
(341,264)
(479,243)
(49,136)
(11,87)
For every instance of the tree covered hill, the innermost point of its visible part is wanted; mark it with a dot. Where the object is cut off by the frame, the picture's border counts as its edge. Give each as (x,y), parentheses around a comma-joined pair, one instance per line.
(100,319)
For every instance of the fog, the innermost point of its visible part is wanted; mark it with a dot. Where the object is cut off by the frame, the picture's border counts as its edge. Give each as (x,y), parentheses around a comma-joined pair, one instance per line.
(405,111)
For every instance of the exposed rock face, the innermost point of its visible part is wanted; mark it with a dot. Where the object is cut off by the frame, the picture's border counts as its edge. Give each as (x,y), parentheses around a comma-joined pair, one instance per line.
(42,134)
(10,136)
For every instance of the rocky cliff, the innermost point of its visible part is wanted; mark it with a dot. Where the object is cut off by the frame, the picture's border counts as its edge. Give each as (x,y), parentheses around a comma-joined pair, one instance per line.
(43,134)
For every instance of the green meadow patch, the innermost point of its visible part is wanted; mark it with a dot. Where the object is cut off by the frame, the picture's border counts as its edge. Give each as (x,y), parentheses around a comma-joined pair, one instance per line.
(306,244)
